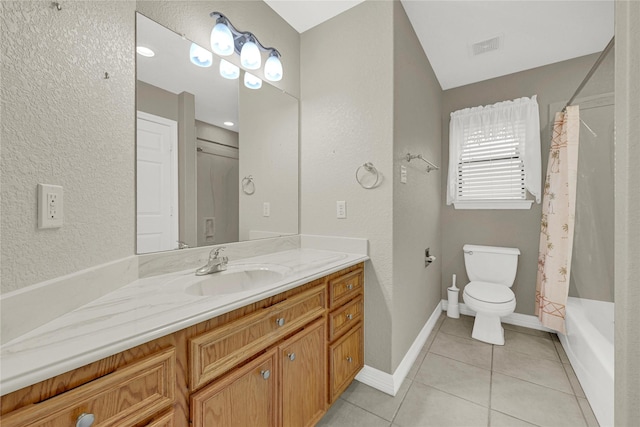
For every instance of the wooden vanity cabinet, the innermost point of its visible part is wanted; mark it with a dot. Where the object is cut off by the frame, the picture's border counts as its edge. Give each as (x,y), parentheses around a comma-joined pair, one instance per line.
(309,340)
(346,333)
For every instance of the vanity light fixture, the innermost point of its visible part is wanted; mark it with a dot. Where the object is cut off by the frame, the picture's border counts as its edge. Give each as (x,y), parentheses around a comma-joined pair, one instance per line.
(200,56)
(145,51)
(251,81)
(228,70)
(226,39)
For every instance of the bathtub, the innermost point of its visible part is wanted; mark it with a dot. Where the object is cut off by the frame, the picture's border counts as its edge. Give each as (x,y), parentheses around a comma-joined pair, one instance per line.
(589,346)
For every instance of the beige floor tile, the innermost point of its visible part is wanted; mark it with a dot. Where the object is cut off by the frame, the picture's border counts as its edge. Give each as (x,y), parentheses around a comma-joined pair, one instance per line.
(460,379)
(592,421)
(528,331)
(375,401)
(573,379)
(461,327)
(345,414)
(545,372)
(425,406)
(531,345)
(464,350)
(498,419)
(534,403)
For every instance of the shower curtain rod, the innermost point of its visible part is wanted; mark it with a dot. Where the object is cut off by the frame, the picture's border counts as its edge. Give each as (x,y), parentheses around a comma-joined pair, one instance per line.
(591,71)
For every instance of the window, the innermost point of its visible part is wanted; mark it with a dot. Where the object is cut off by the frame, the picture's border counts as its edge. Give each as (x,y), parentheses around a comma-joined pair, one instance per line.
(494,156)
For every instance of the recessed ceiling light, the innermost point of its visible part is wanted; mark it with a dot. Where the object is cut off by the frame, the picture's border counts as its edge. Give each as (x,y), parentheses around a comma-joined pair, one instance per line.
(145,51)
(229,123)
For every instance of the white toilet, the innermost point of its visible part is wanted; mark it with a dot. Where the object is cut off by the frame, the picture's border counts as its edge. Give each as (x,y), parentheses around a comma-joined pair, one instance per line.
(492,271)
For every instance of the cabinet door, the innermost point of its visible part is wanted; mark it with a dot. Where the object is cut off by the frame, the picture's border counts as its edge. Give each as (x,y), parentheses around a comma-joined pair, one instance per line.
(245,397)
(303,370)
(346,358)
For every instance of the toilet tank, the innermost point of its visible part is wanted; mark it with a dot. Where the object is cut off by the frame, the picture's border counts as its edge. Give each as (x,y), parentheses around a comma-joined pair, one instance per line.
(491,264)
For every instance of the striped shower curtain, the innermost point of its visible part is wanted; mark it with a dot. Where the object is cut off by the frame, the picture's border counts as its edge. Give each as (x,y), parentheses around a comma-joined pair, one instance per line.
(558,217)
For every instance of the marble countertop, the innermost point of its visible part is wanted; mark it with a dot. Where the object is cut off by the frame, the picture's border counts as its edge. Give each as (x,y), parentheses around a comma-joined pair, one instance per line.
(142,311)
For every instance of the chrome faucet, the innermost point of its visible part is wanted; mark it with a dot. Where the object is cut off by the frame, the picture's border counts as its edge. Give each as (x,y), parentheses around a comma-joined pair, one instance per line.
(214,264)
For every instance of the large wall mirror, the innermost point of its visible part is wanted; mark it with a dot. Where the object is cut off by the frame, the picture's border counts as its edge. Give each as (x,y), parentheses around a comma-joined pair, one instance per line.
(217,162)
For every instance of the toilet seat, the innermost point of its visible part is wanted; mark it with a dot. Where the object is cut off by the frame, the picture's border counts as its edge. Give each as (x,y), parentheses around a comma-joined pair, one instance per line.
(490,293)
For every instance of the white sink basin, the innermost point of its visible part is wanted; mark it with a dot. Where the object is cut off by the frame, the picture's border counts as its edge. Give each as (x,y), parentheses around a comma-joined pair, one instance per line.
(237,279)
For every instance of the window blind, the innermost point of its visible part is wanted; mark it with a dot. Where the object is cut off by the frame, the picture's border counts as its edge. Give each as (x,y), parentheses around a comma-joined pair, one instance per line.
(490,166)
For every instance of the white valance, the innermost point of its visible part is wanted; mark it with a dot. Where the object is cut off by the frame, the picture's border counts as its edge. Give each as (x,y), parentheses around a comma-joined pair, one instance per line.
(519,117)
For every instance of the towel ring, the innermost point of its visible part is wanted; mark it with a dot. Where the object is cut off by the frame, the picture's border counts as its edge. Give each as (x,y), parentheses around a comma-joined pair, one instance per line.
(248,186)
(371,169)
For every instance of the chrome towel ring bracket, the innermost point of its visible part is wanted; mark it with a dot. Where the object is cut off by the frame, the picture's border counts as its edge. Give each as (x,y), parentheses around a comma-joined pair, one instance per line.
(369,169)
(248,186)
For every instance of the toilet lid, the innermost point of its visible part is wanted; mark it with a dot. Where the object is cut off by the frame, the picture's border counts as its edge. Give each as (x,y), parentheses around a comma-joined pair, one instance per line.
(489,292)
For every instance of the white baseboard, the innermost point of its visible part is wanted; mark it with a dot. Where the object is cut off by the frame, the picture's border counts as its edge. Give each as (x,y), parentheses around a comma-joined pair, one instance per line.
(388,383)
(525,320)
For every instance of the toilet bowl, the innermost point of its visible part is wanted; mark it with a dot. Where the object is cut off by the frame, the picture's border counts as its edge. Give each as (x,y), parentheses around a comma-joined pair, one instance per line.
(492,271)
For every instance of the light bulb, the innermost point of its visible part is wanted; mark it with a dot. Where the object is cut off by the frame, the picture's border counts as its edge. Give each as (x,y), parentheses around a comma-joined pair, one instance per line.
(200,56)
(228,70)
(273,68)
(251,81)
(222,40)
(250,56)
(145,51)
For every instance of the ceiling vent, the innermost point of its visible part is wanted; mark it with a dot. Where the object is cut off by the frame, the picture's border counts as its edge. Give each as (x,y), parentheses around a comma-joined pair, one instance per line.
(486,45)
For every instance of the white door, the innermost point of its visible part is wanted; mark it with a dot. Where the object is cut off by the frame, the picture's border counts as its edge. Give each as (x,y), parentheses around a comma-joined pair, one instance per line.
(157,183)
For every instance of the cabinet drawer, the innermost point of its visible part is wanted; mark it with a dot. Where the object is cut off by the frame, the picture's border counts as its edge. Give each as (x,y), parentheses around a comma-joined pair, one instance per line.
(216,352)
(125,397)
(346,359)
(345,287)
(343,318)
(166,420)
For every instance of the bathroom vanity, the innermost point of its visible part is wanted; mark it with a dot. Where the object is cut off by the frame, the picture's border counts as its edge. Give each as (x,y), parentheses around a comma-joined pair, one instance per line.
(276,357)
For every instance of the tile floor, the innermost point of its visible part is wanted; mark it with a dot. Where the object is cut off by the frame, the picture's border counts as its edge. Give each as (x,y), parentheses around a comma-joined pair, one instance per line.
(458,381)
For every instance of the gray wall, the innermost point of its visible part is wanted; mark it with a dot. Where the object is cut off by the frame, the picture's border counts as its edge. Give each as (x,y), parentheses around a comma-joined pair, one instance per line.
(417,104)
(376,100)
(627,219)
(346,120)
(64,124)
(513,228)
(154,100)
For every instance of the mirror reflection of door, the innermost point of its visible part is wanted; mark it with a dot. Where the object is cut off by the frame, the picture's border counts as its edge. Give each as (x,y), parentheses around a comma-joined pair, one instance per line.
(157,183)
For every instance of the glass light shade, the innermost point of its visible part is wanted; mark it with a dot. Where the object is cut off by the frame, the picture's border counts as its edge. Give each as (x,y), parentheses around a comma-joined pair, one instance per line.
(273,69)
(250,56)
(145,51)
(222,40)
(251,81)
(228,70)
(200,56)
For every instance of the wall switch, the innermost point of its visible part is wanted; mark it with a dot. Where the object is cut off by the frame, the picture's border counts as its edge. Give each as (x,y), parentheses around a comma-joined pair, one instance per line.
(341,209)
(50,206)
(403,174)
(266,209)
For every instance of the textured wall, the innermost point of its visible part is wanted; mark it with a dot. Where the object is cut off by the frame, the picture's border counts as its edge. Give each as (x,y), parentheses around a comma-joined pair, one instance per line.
(64,124)
(627,220)
(512,228)
(416,205)
(347,120)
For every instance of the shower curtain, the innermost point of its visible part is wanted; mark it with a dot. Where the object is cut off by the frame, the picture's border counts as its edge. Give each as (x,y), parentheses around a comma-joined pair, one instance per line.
(558,216)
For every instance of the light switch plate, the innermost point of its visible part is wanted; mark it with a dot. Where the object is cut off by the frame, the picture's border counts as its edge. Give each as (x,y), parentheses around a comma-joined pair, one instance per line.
(403,174)
(266,209)
(50,206)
